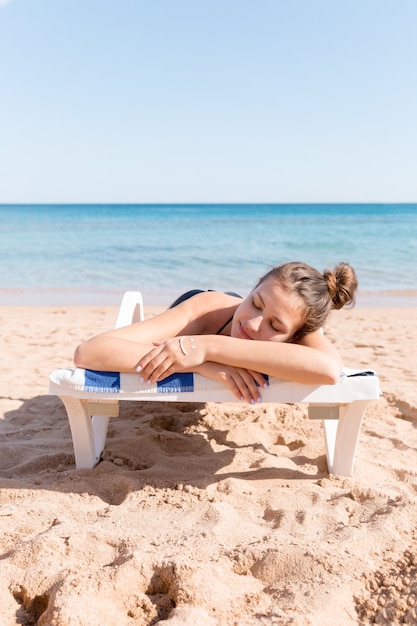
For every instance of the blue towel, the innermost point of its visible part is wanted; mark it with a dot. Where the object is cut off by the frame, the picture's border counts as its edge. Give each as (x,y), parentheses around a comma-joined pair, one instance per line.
(102,381)
(110,382)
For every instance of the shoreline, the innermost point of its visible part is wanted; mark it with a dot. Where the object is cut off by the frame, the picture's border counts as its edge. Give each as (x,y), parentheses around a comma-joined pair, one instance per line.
(73,297)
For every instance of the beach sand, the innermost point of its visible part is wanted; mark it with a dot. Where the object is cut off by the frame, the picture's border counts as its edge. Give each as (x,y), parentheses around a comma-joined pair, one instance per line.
(205,514)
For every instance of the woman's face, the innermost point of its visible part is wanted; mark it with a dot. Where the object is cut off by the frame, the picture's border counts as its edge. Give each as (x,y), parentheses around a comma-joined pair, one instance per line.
(269,313)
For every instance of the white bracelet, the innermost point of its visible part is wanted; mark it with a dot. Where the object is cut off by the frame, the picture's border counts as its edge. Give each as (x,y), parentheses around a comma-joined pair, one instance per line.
(183,350)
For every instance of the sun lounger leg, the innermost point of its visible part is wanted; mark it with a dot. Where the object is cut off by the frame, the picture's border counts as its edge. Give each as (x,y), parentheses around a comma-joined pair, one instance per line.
(330,431)
(101,413)
(88,433)
(341,437)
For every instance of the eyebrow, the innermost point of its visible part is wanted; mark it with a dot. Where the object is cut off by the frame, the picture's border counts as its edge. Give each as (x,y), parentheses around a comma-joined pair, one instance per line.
(275,318)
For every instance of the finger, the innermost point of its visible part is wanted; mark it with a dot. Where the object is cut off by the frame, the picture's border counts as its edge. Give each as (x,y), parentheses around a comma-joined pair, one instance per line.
(144,361)
(237,386)
(162,366)
(164,369)
(236,389)
(251,391)
(168,372)
(259,378)
(152,359)
(147,370)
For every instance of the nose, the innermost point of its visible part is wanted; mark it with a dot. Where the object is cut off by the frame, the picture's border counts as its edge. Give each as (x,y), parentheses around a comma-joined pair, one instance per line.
(254,323)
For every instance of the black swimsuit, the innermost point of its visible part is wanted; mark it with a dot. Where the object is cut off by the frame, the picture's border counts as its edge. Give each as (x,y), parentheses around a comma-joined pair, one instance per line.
(194,292)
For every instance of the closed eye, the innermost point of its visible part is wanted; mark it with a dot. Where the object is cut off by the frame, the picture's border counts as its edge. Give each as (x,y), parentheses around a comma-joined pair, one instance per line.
(274,324)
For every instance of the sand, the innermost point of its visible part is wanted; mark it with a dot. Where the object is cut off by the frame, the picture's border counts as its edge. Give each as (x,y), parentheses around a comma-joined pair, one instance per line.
(205,514)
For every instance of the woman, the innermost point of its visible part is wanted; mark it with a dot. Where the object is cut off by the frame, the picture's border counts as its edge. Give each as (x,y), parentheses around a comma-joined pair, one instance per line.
(282,318)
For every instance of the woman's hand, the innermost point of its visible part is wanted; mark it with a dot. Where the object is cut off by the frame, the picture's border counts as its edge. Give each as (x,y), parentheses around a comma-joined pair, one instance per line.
(187,354)
(176,354)
(244,384)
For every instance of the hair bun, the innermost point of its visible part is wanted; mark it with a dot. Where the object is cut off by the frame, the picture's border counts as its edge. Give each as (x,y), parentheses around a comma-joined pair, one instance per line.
(341,284)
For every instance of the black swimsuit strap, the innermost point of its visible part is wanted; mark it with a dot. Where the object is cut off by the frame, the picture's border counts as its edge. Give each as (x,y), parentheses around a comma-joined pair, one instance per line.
(224,326)
(229,293)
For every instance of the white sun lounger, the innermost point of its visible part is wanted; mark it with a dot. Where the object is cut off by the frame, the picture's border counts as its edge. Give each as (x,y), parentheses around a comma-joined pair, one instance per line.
(91,398)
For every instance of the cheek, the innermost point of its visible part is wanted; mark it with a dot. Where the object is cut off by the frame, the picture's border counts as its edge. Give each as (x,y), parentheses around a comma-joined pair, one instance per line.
(238,315)
(270,334)
(234,328)
(276,338)
(241,314)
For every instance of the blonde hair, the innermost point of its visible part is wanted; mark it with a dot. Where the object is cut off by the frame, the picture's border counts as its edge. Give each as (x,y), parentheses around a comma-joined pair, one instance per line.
(320,293)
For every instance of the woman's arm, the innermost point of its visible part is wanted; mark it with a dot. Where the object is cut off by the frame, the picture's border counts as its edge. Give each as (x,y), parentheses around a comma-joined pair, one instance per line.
(110,353)
(120,350)
(314,360)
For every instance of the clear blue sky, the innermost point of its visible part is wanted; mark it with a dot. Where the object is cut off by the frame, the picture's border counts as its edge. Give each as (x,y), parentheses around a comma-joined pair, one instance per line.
(208,101)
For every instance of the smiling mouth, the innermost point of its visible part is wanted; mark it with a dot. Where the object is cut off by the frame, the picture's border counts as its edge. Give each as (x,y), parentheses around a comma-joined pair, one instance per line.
(242,333)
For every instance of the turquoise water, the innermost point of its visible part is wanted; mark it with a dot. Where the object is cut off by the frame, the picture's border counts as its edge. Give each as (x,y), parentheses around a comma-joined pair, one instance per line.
(92,253)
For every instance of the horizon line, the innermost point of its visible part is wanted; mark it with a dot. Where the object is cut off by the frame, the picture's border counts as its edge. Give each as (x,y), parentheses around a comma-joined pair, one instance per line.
(196,203)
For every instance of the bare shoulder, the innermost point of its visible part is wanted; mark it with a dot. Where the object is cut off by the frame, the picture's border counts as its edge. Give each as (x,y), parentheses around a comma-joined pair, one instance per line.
(203,313)
(319,341)
(208,311)
(209,301)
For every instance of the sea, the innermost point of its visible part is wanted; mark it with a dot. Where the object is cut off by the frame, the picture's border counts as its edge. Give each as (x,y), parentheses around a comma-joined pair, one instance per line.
(57,254)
